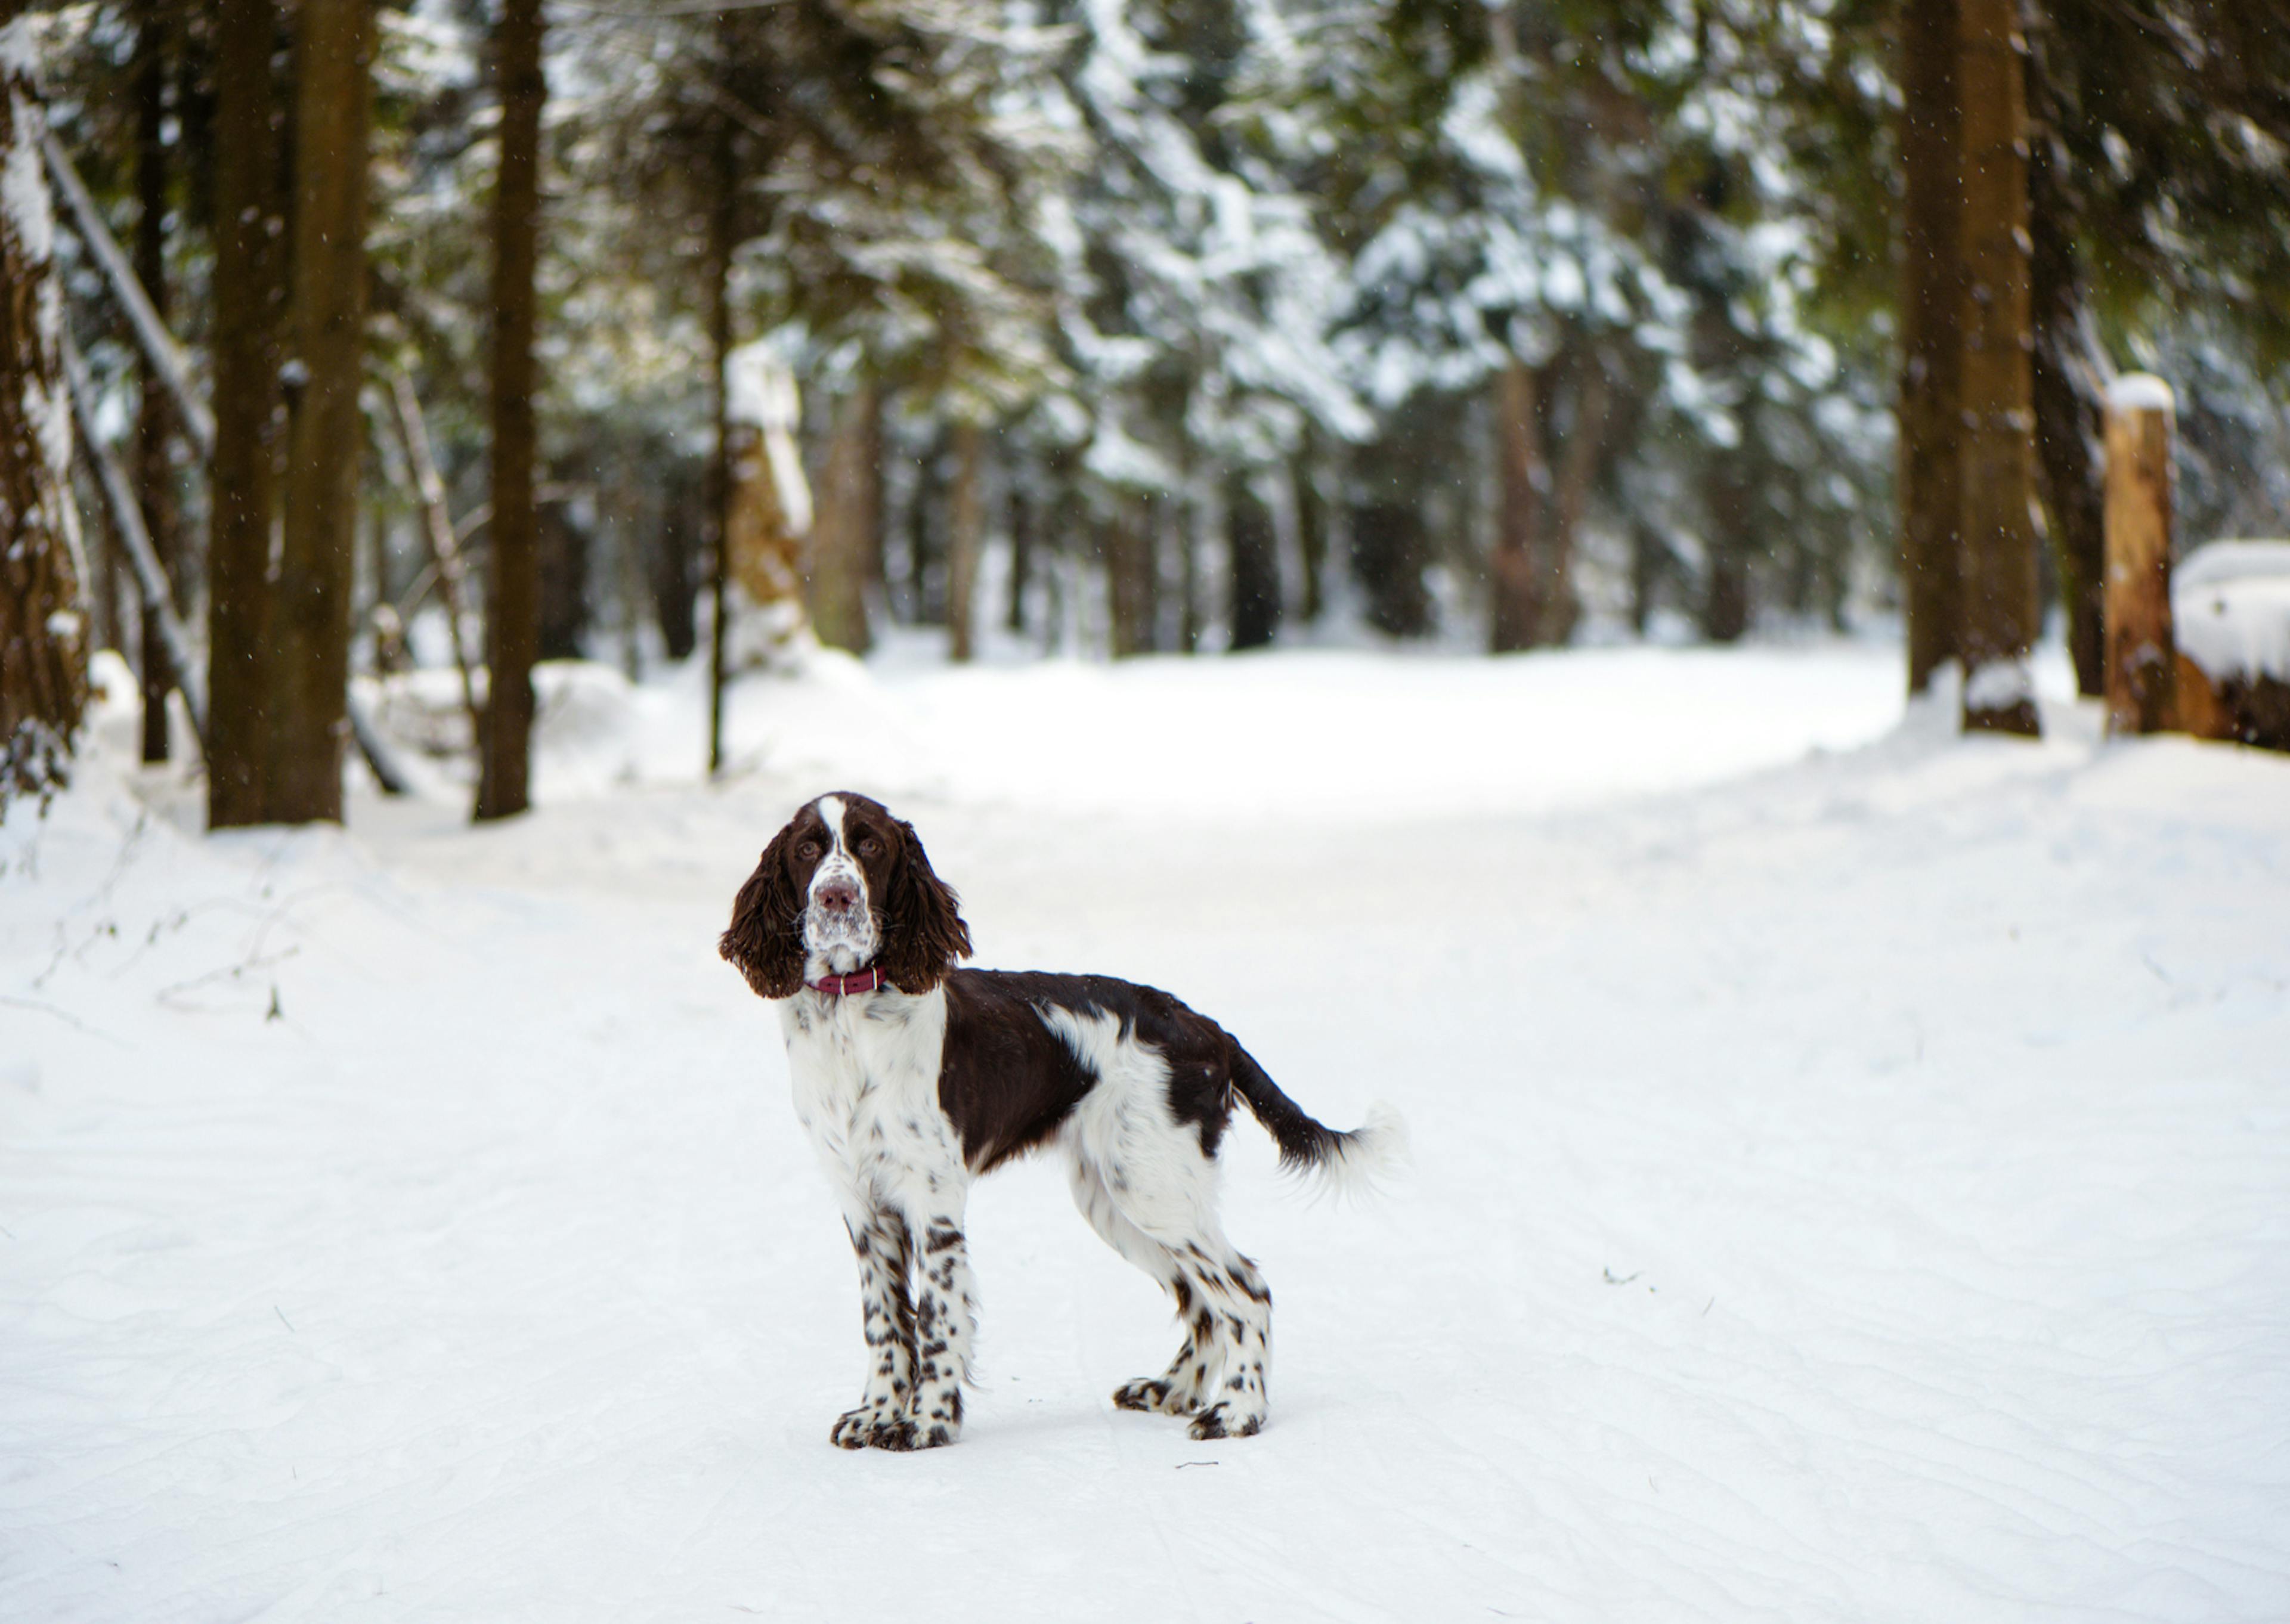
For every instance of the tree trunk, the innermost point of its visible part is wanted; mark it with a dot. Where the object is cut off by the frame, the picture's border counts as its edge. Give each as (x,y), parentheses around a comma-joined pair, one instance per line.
(723,226)
(2068,420)
(1726,581)
(1931,343)
(42,613)
(562,562)
(841,535)
(242,480)
(1998,607)
(965,520)
(676,558)
(1126,542)
(1254,544)
(154,478)
(1578,466)
(513,607)
(1311,529)
(1515,582)
(1021,508)
(310,640)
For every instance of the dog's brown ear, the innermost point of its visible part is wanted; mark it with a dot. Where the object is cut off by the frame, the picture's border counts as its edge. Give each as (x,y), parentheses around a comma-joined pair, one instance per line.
(765,939)
(922,931)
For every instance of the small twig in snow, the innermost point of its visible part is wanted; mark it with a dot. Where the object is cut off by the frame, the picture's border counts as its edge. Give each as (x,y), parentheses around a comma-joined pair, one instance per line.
(65,1016)
(282,1320)
(1181,1465)
(1611,1280)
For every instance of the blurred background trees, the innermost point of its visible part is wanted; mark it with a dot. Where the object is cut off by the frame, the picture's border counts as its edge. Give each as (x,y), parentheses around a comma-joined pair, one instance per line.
(1177,325)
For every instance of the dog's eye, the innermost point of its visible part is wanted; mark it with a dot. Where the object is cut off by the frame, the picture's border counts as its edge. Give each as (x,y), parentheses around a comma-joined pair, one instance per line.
(870,847)
(808,850)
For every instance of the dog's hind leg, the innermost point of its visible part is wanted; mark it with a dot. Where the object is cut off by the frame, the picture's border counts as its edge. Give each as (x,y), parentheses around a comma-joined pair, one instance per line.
(886,1259)
(1180,1391)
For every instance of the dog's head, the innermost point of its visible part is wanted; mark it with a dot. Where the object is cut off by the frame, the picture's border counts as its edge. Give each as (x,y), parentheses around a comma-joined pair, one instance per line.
(843,885)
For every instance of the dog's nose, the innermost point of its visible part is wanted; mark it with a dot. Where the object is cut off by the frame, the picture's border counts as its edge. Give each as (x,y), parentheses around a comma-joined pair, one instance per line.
(838,896)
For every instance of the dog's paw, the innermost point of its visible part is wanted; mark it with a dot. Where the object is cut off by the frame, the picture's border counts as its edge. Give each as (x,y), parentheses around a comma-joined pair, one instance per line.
(856,1428)
(905,1434)
(1225,1421)
(1150,1392)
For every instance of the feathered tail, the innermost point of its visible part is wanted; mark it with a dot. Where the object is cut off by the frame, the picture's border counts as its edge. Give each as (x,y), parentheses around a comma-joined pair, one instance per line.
(1346,1163)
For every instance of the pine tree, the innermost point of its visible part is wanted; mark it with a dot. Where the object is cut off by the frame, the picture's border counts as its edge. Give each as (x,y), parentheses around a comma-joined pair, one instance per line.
(242,479)
(513,611)
(43,618)
(1998,611)
(310,624)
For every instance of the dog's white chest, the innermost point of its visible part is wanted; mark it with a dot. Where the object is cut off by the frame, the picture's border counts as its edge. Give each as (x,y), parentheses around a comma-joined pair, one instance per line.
(866,1070)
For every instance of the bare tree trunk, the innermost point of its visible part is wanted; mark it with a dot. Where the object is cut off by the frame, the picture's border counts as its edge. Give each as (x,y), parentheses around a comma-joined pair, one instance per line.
(310,640)
(242,480)
(2067,422)
(1127,541)
(1999,605)
(1021,508)
(967,519)
(1726,582)
(1255,564)
(512,609)
(1930,326)
(722,229)
(154,478)
(842,534)
(1311,528)
(1578,465)
(1515,582)
(42,613)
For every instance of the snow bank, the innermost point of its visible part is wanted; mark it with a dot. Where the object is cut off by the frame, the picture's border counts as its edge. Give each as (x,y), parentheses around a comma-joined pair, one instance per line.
(2230,609)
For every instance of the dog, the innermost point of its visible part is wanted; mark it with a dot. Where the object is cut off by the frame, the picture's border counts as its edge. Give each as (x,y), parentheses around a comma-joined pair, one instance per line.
(913,1077)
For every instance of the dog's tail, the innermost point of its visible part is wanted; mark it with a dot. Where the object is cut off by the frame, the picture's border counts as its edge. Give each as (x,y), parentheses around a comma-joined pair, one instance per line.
(1346,1163)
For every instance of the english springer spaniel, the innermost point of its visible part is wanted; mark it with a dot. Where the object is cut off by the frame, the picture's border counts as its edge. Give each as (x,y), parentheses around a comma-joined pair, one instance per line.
(913,1077)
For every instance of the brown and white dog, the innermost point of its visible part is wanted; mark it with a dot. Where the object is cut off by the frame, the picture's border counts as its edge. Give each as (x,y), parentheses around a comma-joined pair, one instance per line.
(913,1077)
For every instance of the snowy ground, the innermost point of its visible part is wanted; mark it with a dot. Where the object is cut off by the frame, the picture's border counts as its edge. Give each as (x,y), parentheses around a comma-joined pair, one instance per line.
(1852,1186)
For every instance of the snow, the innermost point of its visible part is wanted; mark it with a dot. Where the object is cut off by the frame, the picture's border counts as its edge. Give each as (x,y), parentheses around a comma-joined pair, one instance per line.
(1999,684)
(2140,392)
(2230,609)
(1849,1180)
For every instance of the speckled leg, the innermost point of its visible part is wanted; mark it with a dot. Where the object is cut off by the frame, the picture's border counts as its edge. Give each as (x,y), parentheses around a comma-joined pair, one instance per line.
(885,1261)
(946,1325)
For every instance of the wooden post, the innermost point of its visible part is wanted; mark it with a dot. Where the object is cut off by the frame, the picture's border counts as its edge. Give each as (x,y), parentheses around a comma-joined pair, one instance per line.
(2141,657)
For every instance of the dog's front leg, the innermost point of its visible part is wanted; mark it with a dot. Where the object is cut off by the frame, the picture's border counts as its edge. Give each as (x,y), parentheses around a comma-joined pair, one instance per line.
(946,1324)
(885,1260)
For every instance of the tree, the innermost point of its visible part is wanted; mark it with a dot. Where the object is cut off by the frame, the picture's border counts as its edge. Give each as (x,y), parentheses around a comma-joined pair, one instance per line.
(513,615)
(311,633)
(242,479)
(43,618)
(154,475)
(1999,610)
(1932,296)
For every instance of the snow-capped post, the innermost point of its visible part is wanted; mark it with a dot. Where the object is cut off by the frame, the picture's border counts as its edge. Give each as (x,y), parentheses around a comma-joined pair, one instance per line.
(768,515)
(42,614)
(2141,661)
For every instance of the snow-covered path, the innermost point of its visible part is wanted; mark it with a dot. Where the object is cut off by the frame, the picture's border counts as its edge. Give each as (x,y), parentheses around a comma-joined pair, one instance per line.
(1859,1191)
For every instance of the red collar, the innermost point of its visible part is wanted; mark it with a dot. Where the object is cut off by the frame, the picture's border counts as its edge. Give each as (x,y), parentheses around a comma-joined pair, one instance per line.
(842,986)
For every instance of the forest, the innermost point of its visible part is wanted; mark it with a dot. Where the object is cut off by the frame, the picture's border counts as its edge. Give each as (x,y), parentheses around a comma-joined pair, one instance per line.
(632,332)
